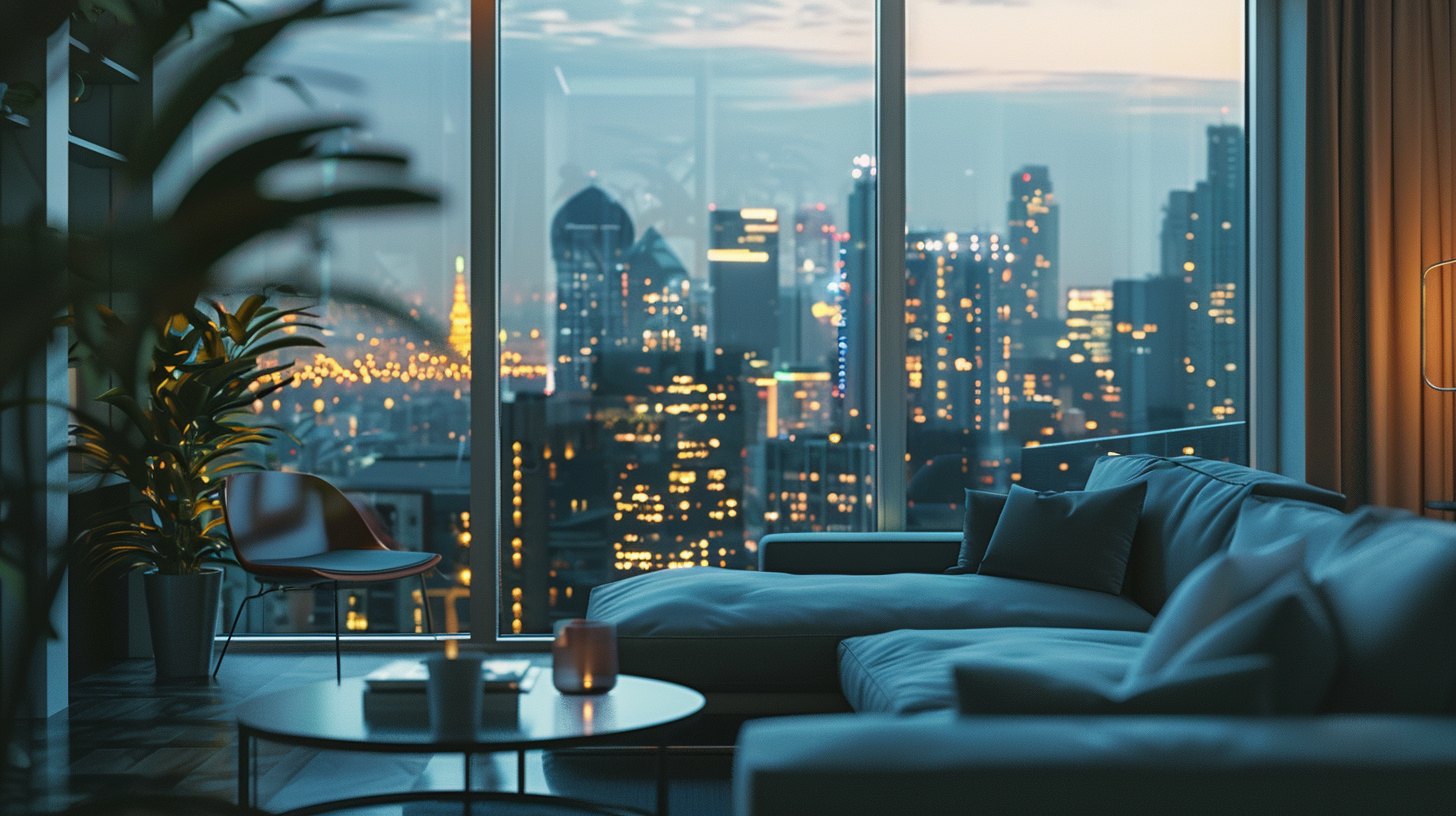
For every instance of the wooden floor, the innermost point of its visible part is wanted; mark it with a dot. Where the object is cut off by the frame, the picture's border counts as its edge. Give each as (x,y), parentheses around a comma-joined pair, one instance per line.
(126,734)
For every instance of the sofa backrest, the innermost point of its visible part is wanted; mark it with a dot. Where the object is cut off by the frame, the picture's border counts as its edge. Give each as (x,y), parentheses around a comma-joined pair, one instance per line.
(1190,511)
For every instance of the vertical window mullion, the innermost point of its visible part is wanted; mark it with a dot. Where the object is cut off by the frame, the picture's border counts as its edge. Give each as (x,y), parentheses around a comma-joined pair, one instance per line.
(485,385)
(890,414)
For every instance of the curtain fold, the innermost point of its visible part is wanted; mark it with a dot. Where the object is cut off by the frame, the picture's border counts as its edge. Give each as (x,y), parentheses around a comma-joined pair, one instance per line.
(1380,204)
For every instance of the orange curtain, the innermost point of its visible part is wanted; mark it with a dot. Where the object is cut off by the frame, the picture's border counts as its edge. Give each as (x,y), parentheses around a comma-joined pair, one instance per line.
(1380,207)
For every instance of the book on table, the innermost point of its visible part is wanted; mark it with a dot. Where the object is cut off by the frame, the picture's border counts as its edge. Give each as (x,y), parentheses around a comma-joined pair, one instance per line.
(399,700)
(411,675)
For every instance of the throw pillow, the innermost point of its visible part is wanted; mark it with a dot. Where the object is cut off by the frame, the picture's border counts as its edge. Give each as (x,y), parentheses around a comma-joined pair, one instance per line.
(1078,539)
(1211,591)
(1286,624)
(1273,654)
(1390,582)
(983,510)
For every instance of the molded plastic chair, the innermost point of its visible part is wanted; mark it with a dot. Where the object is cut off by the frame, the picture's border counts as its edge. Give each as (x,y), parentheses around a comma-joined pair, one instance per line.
(296,531)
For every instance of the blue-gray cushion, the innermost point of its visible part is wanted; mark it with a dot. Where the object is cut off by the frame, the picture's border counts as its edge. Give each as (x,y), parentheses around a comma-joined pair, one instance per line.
(983,510)
(1188,515)
(909,671)
(1273,653)
(1216,588)
(775,631)
(1078,538)
(1389,581)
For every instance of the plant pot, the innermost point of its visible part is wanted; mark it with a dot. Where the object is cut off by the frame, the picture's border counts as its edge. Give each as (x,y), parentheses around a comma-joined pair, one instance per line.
(182,610)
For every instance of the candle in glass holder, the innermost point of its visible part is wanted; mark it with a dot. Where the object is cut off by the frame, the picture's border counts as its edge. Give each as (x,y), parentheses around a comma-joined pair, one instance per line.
(584,656)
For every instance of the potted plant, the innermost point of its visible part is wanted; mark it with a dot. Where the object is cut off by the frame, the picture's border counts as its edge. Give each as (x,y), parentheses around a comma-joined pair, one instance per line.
(189,424)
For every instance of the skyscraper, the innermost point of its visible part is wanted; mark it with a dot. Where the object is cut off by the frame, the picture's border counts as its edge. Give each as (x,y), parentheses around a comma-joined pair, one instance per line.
(1086,349)
(813,316)
(589,235)
(743,270)
(1033,290)
(653,307)
(1216,341)
(855,344)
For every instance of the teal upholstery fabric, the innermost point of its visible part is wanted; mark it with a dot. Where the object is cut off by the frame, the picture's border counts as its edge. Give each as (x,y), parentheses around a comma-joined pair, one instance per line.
(1389,581)
(1078,538)
(1190,511)
(1215,589)
(983,511)
(933,765)
(908,671)
(1273,653)
(745,628)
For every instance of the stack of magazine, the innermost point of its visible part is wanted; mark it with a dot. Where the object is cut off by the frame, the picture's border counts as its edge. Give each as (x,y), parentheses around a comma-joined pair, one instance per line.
(394,694)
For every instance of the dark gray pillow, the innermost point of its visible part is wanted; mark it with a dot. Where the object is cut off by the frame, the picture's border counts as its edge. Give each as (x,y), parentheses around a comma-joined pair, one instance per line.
(1078,539)
(982,512)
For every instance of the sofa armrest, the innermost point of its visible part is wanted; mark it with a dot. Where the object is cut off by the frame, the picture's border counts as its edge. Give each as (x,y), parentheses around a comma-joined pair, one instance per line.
(858,553)
(942,764)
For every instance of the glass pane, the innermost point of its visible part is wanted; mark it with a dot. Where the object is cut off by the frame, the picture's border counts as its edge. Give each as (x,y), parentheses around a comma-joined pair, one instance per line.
(1075,263)
(686,191)
(381,411)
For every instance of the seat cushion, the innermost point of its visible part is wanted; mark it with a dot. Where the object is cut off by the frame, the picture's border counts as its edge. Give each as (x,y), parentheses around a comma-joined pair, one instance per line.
(909,671)
(729,630)
(352,562)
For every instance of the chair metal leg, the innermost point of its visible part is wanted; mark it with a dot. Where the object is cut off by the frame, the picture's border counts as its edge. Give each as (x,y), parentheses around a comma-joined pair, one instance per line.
(338,657)
(237,617)
(425,600)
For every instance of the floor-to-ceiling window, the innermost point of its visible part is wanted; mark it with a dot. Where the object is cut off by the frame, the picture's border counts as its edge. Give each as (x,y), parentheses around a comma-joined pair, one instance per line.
(1076,246)
(382,410)
(688,287)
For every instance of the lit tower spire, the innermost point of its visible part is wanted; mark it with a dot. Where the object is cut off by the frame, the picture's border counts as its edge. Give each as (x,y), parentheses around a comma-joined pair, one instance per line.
(460,312)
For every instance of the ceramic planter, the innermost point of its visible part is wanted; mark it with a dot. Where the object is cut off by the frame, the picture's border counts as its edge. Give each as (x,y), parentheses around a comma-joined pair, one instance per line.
(182,610)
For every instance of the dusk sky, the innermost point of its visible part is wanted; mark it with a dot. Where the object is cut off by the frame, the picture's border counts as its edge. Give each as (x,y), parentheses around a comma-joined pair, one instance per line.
(1113,95)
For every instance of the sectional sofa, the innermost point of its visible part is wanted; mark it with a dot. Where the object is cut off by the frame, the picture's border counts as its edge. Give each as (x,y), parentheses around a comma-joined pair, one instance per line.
(1236,644)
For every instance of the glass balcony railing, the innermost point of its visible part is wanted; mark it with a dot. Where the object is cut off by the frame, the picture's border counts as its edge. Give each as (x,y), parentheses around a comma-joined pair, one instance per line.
(1066,465)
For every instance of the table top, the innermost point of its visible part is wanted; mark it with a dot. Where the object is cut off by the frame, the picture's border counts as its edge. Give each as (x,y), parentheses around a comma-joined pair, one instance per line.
(326,714)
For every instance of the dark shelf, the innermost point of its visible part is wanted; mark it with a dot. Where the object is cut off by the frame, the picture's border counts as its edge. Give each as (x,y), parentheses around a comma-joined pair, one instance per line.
(14,120)
(101,69)
(89,154)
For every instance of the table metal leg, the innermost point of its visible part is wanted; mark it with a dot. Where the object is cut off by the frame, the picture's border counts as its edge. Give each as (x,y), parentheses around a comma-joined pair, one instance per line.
(662,780)
(244,799)
(520,771)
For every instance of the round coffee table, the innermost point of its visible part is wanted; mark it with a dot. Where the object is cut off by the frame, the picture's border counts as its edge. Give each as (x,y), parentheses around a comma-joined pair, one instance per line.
(328,715)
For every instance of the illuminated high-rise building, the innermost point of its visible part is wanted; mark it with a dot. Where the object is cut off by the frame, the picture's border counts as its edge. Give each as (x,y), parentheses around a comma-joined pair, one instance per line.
(949,323)
(651,303)
(589,236)
(743,271)
(854,357)
(818,484)
(945,343)
(812,324)
(1202,250)
(1090,381)
(1216,298)
(1149,361)
(672,436)
(1032,291)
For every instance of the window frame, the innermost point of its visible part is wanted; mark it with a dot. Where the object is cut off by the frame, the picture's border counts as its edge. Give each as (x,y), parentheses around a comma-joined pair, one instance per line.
(1274,93)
